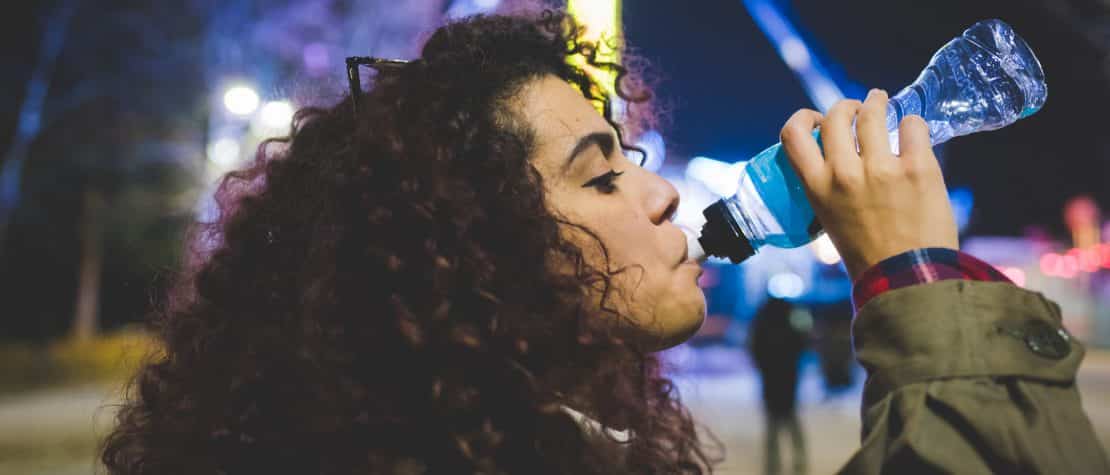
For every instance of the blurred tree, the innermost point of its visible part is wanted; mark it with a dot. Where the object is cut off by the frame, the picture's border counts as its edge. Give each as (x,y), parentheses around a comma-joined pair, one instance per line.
(112,175)
(121,95)
(29,118)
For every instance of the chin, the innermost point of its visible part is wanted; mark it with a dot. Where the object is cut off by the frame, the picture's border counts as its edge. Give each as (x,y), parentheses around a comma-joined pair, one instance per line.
(682,322)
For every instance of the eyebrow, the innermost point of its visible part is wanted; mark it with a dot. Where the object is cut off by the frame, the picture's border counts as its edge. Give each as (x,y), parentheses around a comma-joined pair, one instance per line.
(604,141)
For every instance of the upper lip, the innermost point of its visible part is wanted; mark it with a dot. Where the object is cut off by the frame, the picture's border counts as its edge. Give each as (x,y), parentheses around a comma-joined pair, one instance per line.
(685,258)
(685,249)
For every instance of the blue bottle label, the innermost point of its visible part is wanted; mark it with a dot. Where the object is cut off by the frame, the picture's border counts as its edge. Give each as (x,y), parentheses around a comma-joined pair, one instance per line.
(777,183)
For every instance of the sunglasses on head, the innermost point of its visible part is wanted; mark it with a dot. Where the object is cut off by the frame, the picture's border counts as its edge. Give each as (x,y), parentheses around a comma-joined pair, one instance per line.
(355,82)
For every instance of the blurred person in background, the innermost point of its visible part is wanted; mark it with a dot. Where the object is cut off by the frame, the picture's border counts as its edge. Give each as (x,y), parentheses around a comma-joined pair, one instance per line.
(469,276)
(832,340)
(776,344)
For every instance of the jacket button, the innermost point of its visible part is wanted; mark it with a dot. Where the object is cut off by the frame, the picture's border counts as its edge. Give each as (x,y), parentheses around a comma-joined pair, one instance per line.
(1047,340)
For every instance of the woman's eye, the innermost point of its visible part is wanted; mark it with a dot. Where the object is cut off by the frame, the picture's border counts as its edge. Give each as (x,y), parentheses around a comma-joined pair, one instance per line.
(604,183)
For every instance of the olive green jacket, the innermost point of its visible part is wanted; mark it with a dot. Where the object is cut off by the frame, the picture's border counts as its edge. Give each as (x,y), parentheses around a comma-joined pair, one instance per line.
(970,377)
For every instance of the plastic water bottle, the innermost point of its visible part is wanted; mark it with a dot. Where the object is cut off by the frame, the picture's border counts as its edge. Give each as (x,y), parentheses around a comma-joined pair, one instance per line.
(985,79)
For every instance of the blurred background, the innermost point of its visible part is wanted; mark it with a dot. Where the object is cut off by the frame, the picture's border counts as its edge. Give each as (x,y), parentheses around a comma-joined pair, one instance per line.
(118,116)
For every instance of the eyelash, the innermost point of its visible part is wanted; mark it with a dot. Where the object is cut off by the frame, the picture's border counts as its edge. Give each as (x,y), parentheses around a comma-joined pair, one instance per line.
(605,182)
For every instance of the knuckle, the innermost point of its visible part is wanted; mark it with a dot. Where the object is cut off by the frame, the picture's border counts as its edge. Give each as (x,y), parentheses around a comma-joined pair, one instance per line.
(886,172)
(847,179)
(849,103)
(789,132)
(841,107)
(912,173)
(918,169)
(798,124)
(868,118)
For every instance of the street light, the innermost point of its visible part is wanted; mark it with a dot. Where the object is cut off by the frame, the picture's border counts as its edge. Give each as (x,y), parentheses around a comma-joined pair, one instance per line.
(224,152)
(241,100)
(786,285)
(276,115)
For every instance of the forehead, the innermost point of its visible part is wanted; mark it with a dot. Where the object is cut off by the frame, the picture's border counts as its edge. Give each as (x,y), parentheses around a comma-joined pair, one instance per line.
(558,114)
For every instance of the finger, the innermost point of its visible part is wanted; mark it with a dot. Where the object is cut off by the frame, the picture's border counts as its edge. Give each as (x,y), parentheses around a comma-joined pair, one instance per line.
(913,138)
(914,144)
(836,134)
(874,140)
(801,147)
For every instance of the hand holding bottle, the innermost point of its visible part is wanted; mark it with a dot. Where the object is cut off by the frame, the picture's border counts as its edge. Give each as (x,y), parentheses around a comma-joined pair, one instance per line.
(872,203)
(985,79)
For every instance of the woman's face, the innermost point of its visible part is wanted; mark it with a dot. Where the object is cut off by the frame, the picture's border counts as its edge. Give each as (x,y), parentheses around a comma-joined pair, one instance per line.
(589,182)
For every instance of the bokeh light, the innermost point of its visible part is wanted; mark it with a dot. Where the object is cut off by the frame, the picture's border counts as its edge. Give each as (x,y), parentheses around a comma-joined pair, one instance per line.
(719,177)
(1016,274)
(224,152)
(652,143)
(276,115)
(825,251)
(786,285)
(241,100)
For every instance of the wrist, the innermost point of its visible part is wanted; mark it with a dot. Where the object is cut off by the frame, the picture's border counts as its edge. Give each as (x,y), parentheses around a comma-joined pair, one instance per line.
(862,265)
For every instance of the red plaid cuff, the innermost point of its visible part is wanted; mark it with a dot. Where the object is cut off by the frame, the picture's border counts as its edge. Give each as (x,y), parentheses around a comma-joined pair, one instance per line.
(921,266)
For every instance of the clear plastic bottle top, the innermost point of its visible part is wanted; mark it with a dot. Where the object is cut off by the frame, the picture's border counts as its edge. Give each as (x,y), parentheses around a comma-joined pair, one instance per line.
(985,79)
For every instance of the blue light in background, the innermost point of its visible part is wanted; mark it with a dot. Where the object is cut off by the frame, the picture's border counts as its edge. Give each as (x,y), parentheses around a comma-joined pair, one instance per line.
(721,178)
(786,285)
(822,87)
(463,8)
(652,143)
(963,202)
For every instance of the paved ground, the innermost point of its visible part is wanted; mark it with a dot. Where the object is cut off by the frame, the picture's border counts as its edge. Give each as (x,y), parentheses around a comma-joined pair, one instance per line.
(54,432)
(727,402)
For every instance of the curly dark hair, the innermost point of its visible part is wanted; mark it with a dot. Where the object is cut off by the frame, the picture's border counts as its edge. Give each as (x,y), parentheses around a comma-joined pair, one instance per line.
(388,293)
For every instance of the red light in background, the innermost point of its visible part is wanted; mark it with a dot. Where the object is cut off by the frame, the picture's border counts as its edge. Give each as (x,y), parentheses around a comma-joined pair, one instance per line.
(1050,264)
(1015,274)
(1088,259)
(1076,260)
(1069,266)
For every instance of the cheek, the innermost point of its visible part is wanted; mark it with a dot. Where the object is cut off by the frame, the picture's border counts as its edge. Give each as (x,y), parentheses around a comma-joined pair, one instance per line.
(630,237)
(626,235)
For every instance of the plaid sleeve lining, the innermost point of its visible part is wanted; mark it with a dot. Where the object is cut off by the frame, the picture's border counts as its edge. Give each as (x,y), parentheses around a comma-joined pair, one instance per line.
(921,266)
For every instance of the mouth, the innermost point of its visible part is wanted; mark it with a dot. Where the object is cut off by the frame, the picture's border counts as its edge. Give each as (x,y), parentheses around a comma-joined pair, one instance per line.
(689,241)
(686,261)
(695,267)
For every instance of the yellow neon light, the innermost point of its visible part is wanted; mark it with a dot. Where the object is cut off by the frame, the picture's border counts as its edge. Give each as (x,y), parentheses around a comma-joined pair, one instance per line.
(601,19)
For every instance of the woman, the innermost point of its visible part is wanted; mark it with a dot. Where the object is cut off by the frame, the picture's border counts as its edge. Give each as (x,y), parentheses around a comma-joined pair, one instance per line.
(465,276)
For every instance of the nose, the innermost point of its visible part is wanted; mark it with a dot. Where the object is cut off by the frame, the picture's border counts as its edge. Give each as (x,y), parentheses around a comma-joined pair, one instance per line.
(662,199)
